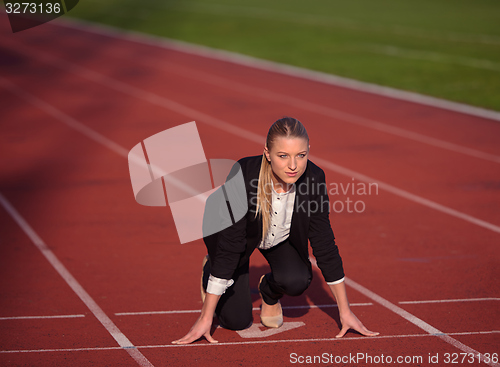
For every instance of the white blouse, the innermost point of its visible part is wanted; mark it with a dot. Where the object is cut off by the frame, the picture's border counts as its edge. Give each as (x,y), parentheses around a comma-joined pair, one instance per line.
(281,218)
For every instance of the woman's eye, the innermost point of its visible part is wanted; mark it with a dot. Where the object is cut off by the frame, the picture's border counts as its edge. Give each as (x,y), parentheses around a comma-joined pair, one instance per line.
(302,155)
(283,156)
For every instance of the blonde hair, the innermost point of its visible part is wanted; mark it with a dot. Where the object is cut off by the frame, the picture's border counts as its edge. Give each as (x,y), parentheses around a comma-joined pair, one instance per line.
(285,127)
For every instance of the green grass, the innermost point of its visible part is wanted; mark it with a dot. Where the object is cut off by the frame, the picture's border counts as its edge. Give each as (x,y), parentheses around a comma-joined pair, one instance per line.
(444,48)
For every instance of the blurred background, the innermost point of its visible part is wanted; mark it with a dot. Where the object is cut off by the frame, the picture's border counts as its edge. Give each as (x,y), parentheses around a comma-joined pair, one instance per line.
(447,49)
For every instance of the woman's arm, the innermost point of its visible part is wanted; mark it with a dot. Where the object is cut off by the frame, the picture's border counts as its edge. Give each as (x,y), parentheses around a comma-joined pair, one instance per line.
(203,325)
(347,318)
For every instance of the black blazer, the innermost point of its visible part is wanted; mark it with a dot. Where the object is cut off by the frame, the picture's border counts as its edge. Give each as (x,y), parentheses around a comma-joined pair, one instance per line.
(231,248)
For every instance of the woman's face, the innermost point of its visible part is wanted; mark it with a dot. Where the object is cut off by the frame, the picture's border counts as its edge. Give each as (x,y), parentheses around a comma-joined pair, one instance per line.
(288,157)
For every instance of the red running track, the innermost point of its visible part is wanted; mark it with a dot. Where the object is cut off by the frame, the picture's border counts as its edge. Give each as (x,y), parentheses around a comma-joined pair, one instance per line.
(90,277)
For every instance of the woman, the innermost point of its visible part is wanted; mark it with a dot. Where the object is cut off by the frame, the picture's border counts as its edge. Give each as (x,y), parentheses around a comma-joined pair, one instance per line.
(288,205)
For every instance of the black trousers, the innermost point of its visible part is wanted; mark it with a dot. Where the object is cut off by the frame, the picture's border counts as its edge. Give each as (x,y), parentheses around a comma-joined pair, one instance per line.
(289,275)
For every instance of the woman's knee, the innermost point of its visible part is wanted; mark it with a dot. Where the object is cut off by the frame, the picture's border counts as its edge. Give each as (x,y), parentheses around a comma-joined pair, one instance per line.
(236,321)
(294,284)
(235,313)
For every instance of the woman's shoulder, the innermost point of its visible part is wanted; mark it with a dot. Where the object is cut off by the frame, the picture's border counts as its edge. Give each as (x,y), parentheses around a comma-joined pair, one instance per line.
(314,170)
(249,167)
(249,164)
(250,160)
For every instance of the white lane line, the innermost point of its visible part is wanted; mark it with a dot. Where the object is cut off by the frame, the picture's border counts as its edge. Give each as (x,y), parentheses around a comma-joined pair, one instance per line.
(58,350)
(40,317)
(141,313)
(64,118)
(405,194)
(207,78)
(449,300)
(275,67)
(318,306)
(304,340)
(344,339)
(263,93)
(120,338)
(226,127)
(413,319)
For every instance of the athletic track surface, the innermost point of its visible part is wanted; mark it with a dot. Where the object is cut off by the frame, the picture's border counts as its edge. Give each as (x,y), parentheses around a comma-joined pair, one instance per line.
(91,278)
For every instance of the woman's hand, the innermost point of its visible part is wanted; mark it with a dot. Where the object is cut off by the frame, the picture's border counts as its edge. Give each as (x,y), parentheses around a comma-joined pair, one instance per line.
(347,318)
(203,325)
(350,321)
(200,328)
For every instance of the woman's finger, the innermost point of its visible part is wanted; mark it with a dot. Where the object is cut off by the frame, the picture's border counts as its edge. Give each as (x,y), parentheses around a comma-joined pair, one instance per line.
(342,332)
(359,327)
(191,337)
(209,338)
(364,331)
(367,332)
(185,340)
(179,341)
(188,338)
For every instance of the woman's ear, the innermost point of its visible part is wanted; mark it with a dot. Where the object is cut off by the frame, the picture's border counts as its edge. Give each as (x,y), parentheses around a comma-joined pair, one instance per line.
(268,156)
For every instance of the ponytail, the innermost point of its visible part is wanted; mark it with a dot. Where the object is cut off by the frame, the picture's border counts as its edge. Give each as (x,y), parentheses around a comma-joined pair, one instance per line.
(264,195)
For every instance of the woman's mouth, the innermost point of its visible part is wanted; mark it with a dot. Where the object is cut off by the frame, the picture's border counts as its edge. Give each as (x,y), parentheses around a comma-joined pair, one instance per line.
(291,174)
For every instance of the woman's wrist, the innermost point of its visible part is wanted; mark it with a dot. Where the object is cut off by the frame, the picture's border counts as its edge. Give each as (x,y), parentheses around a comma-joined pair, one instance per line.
(206,317)
(340,295)
(344,309)
(208,309)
